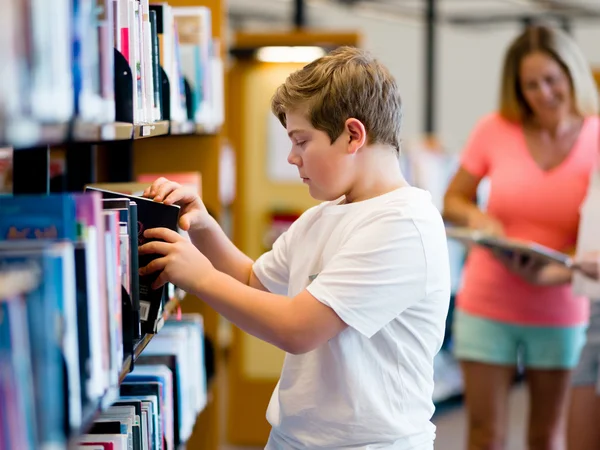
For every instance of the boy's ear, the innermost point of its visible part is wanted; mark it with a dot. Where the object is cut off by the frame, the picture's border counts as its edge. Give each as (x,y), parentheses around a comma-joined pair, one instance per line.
(357,135)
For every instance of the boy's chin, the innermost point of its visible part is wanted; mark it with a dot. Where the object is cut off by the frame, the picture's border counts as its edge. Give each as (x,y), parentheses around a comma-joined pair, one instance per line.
(323,196)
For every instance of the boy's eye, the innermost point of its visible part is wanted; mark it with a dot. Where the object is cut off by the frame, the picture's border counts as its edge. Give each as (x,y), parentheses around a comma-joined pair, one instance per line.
(300,143)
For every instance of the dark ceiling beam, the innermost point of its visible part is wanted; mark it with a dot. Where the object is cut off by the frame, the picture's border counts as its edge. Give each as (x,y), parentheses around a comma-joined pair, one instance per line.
(299,19)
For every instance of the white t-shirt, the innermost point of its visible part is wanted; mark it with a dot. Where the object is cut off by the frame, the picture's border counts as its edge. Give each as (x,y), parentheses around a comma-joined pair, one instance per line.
(588,238)
(382,266)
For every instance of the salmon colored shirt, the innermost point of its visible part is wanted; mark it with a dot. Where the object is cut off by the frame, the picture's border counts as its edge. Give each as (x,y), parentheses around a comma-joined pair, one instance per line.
(532,204)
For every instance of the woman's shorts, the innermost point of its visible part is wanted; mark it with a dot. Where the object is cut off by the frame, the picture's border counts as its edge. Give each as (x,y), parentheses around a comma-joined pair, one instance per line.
(492,342)
(587,372)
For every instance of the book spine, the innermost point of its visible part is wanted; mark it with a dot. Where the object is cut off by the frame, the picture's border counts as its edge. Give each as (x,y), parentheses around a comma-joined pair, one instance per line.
(151,110)
(156,65)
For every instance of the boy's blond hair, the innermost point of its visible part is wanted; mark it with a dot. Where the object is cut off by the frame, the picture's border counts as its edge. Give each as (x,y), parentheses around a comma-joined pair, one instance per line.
(560,47)
(346,83)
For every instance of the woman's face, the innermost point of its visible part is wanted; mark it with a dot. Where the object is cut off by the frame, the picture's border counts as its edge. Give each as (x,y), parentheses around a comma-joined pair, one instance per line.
(546,87)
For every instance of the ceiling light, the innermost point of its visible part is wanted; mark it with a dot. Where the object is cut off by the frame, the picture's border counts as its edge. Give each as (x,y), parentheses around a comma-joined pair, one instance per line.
(289,54)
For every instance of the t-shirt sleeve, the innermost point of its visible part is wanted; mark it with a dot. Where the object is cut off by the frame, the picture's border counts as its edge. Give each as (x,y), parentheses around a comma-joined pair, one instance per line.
(475,157)
(378,273)
(272,268)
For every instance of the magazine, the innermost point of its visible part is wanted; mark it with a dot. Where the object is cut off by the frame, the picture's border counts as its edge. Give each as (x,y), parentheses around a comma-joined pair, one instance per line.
(508,246)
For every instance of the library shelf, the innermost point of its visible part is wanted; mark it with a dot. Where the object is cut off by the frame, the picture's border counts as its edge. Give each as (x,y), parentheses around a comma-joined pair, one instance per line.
(142,343)
(142,131)
(202,129)
(25,133)
(97,132)
(182,128)
(112,395)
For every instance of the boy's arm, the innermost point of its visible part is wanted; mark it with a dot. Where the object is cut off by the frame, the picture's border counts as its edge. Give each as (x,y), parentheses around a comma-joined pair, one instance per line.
(296,325)
(212,241)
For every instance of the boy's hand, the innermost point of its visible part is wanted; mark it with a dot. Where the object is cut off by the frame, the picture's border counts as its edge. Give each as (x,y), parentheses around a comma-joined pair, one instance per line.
(181,263)
(193,213)
(588,264)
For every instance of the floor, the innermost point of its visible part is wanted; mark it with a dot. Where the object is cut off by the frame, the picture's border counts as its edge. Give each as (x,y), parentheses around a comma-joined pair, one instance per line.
(451,424)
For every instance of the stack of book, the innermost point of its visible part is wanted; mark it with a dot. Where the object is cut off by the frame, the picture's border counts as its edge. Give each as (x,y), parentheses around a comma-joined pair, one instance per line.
(65,334)
(62,70)
(160,399)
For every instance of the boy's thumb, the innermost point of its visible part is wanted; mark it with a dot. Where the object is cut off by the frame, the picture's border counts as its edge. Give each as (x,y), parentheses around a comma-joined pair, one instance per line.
(184,223)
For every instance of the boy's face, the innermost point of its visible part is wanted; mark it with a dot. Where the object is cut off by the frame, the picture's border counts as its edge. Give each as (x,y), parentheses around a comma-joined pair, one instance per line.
(325,167)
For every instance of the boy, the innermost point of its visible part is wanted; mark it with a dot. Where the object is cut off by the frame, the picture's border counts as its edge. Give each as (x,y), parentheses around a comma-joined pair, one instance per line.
(356,291)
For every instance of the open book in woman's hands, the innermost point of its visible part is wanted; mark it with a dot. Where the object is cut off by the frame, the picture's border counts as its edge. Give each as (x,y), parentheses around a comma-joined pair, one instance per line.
(509,247)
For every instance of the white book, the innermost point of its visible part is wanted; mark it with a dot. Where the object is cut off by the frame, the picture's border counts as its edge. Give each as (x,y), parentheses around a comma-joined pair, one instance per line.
(10,100)
(98,383)
(141,63)
(195,41)
(90,101)
(70,338)
(152,113)
(52,81)
(134,61)
(508,246)
(116,6)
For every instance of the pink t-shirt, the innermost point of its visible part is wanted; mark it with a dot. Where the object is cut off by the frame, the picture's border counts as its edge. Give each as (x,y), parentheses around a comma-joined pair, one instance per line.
(532,204)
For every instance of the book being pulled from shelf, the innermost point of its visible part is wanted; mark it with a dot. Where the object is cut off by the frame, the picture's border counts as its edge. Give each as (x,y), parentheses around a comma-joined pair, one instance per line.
(150,214)
(508,246)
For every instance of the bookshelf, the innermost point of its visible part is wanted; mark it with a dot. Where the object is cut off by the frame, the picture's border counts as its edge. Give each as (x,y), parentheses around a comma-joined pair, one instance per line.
(117,151)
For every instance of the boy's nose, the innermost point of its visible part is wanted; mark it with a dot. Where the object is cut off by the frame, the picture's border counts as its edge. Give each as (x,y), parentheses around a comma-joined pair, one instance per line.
(294,159)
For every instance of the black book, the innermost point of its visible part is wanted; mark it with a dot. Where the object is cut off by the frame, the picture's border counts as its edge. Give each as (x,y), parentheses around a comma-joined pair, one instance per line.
(151,214)
(85,354)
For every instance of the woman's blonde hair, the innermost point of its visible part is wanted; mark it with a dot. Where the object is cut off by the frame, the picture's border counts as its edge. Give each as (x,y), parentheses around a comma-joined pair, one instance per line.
(559,46)
(346,83)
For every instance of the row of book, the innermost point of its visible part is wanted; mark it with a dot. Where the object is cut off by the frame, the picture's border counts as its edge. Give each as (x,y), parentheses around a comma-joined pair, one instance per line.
(65,339)
(161,398)
(155,407)
(54,71)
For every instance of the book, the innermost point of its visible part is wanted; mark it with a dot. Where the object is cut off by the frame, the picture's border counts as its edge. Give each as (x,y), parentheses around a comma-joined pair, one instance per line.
(150,215)
(509,247)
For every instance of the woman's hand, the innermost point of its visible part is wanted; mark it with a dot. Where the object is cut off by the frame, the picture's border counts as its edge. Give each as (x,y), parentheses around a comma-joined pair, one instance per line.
(193,213)
(588,264)
(536,272)
(181,263)
(478,220)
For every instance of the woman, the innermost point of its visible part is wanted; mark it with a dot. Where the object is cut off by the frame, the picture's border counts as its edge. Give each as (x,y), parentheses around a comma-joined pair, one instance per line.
(537,152)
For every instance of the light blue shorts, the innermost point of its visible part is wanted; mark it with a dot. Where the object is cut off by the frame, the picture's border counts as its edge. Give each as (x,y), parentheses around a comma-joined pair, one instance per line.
(494,342)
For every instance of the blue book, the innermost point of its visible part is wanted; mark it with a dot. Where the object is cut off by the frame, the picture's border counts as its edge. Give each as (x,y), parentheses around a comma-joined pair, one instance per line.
(37,217)
(16,382)
(45,319)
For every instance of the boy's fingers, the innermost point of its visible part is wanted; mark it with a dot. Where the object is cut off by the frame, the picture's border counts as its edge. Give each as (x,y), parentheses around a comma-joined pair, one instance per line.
(154,248)
(175,196)
(153,266)
(165,189)
(163,234)
(156,186)
(160,281)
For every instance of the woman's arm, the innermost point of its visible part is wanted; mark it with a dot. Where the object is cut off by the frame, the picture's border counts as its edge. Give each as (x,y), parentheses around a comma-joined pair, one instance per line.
(460,205)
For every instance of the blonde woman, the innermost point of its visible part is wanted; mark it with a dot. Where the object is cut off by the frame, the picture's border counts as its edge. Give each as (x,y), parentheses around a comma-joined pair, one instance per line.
(537,151)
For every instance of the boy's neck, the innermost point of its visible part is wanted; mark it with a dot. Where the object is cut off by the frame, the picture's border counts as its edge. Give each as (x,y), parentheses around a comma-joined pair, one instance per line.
(377,173)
